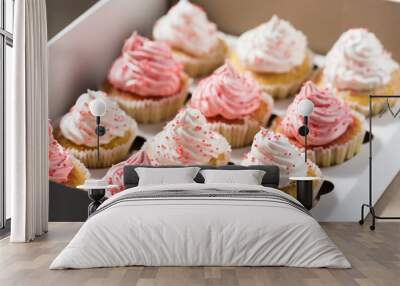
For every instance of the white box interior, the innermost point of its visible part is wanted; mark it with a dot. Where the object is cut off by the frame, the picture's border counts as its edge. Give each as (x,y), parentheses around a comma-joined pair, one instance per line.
(81,54)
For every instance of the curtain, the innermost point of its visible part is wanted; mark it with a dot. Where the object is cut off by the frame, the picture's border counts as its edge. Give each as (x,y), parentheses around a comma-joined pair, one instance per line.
(26,124)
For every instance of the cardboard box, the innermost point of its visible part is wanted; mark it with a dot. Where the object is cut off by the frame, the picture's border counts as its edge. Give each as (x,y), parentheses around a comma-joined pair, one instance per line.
(81,54)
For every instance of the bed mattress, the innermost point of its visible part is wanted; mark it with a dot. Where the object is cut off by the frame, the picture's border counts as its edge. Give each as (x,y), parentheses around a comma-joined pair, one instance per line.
(201,225)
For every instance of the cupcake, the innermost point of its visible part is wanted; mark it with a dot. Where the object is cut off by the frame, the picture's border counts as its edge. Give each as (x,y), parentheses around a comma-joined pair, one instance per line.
(358,66)
(336,133)
(193,38)
(146,81)
(77,132)
(233,105)
(64,168)
(115,175)
(269,148)
(276,55)
(188,140)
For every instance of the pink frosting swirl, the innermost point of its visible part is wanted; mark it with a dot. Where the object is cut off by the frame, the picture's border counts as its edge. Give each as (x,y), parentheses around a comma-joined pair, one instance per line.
(146,68)
(115,175)
(227,93)
(328,121)
(60,161)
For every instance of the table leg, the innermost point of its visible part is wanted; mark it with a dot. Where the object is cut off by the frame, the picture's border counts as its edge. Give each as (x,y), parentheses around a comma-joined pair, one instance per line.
(97,196)
(305,193)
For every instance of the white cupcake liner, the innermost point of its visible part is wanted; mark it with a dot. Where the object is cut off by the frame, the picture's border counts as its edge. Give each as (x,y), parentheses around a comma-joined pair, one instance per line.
(153,111)
(108,156)
(337,154)
(284,90)
(237,135)
(81,169)
(202,66)
(377,105)
(242,134)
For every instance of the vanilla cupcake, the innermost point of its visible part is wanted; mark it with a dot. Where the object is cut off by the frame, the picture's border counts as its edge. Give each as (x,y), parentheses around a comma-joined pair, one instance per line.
(115,175)
(233,105)
(188,140)
(336,133)
(193,38)
(358,66)
(276,55)
(77,132)
(146,81)
(64,168)
(269,148)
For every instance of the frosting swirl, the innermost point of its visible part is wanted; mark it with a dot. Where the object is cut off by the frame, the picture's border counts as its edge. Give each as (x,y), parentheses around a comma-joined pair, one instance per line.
(187,28)
(79,125)
(146,68)
(187,140)
(60,160)
(274,46)
(328,121)
(275,149)
(358,61)
(227,93)
(115,175)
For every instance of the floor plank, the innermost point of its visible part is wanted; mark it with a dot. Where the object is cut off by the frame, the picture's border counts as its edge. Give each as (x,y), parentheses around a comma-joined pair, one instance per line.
(375,257)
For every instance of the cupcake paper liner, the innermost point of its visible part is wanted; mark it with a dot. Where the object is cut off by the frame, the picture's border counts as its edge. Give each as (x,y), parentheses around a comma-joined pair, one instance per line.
(377,105)
(152,111)
(108,156)
(242,134)
(280,90)
(202,66)
(238,135)
(337,154)
(79,173)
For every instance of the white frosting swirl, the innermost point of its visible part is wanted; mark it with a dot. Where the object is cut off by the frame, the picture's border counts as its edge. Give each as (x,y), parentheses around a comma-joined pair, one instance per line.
(186,27)
(79,125)
(275,149)
(187,140)
(358,61)
(274,46)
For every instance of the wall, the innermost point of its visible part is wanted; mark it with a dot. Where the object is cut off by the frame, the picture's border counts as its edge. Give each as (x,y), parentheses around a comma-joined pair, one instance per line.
(62,12)
(322,21)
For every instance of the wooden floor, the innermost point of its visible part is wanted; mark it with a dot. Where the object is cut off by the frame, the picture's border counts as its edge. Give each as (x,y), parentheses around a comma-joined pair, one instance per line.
(375,257)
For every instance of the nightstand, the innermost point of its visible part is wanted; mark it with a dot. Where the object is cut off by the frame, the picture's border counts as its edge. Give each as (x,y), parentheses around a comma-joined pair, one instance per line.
(304,187)
(96,192)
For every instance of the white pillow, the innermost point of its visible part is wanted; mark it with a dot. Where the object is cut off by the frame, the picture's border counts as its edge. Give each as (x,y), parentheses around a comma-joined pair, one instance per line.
(248,177)
(166,176)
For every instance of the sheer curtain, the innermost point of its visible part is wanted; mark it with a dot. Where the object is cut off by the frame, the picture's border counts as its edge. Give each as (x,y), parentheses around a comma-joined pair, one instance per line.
(26,124)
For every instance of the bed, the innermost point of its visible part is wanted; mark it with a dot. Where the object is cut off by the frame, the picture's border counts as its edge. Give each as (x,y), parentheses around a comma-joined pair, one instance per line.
(201,224)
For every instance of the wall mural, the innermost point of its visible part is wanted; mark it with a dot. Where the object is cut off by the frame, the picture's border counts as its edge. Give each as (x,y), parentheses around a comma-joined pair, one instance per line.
(191,97)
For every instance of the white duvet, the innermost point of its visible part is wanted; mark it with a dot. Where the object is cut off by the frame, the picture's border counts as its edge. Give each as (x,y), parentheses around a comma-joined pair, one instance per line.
(200,231)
